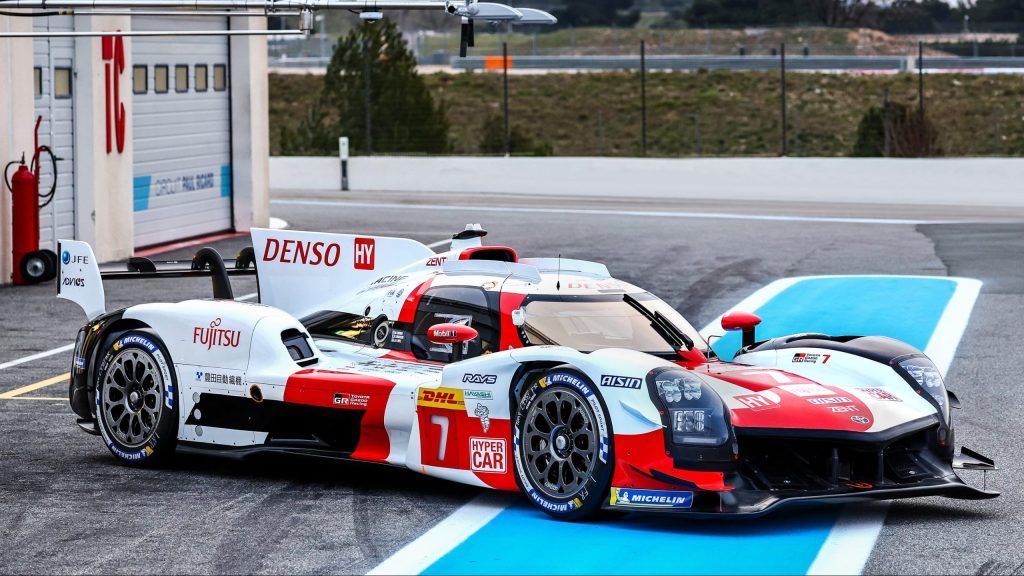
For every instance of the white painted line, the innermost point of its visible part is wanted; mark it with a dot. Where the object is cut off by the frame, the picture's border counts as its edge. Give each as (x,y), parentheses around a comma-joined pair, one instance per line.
(445,535)
(751,303)
(851,540)
(849,544)
(594,212)
(950,328)
(36,356)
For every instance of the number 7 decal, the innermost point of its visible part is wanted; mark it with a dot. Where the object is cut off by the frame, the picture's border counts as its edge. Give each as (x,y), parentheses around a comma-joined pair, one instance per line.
(441,421)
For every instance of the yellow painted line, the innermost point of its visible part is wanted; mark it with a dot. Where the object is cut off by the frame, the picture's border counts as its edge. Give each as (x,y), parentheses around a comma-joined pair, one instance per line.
(38,398)
(31,387)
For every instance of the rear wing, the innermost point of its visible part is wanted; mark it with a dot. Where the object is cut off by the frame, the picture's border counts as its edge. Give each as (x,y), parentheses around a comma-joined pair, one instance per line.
(80,278)
(304,272)
(298,272)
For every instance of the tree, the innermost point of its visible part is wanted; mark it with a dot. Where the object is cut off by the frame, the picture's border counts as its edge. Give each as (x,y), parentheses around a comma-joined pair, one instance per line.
(844,13)
(492,140)
(402,115)
(898,131)
(598,13)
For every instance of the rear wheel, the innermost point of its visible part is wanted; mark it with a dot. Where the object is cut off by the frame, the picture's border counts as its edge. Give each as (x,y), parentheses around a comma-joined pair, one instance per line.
(562,441)
(136,402)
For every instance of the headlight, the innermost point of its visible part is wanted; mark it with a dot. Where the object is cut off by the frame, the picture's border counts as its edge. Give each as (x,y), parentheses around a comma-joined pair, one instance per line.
(696,412)
(928,379)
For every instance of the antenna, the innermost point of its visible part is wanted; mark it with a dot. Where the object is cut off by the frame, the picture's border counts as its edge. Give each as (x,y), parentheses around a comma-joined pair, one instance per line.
(558,281)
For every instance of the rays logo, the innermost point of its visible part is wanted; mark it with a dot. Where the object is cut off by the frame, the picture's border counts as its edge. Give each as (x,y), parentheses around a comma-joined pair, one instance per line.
(480,378)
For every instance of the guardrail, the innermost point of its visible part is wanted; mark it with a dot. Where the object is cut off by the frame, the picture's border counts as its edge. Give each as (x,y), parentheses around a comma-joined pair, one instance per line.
(700,62)
(797,63)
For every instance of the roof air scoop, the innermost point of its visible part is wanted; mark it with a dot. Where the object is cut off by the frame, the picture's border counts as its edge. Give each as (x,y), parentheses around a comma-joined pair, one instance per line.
(471,231)
(468,238)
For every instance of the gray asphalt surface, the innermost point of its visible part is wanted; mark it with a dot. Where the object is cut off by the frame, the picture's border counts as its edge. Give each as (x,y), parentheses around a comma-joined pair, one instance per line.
(67,507)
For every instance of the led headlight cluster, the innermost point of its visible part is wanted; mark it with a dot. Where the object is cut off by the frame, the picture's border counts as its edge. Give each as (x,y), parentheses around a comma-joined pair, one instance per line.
(696,412)
(928,379)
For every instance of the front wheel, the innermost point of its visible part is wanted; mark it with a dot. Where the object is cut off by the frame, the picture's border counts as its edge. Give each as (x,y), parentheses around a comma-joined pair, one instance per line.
(136,401)
(562,445)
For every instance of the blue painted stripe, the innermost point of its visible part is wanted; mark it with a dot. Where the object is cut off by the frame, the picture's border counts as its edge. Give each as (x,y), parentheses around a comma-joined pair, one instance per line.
(522,540)
(905,308)
(225,180)
(140,192)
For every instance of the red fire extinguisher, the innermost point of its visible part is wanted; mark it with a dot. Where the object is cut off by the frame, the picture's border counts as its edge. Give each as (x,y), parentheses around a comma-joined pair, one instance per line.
(31,265)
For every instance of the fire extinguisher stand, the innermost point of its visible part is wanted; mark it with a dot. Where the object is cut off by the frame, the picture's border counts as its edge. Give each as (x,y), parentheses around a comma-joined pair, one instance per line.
(31,265)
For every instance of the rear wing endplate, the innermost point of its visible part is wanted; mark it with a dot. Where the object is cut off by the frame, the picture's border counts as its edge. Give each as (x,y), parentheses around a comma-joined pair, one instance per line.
(80,278)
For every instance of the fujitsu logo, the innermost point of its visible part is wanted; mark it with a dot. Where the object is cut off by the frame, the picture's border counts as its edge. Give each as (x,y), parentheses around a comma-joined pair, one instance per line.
(215,336)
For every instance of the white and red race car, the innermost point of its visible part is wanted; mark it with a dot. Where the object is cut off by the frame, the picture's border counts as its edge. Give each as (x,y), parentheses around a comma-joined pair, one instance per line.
(544,375)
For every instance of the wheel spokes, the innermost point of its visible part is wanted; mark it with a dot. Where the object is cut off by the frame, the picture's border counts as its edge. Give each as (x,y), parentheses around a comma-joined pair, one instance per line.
(132,397)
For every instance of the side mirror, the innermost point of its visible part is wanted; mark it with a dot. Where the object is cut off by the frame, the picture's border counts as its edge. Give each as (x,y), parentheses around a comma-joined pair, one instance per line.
(744,321)
(454,334)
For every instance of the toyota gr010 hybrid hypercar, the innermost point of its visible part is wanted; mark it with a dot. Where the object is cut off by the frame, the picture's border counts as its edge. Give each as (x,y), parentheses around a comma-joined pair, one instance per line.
(544,375)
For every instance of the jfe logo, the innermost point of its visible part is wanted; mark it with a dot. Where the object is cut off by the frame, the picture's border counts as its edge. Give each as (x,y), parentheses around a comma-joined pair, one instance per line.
(365,253)
(67,258)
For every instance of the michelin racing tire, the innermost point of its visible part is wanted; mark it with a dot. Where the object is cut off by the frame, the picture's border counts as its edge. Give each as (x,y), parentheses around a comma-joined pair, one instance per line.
(136,399)
(562,445)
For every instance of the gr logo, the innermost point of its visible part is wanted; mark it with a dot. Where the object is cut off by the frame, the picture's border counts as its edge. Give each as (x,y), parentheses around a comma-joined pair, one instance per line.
(620,382)
(480,379)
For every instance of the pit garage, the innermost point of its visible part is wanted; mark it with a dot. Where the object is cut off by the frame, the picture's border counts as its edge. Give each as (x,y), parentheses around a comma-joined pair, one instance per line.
(181,181)
(53,70)
(153,145)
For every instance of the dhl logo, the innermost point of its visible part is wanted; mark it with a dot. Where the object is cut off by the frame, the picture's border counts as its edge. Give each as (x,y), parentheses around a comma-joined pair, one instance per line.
(447,398)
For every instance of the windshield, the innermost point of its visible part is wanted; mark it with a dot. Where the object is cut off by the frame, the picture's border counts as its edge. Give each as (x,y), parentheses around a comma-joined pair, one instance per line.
(589,323)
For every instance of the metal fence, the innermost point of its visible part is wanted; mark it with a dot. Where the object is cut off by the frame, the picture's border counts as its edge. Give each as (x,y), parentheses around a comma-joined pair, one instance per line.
(793,102)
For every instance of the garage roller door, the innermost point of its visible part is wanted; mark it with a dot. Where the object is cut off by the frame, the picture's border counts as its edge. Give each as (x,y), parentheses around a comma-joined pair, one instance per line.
(182,132)
(53,70)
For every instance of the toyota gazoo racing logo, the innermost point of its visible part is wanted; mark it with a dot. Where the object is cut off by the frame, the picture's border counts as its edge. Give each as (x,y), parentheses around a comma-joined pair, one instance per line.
(216,336)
